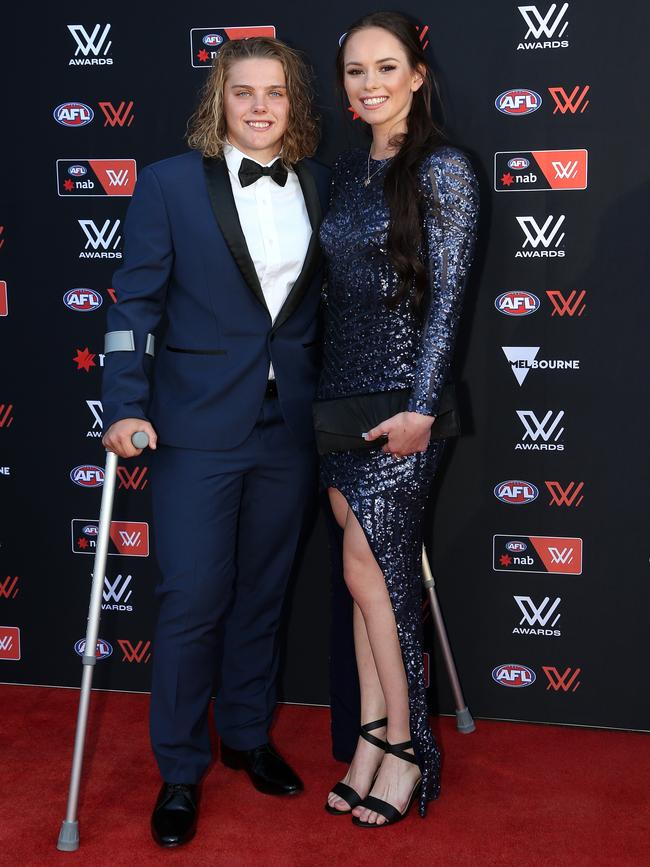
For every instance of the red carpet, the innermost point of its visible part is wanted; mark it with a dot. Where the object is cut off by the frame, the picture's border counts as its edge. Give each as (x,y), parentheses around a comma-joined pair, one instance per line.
(513,794)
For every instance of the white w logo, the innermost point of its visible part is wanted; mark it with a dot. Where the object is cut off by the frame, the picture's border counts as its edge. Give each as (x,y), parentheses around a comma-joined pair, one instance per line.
(565,170)
(130,540)
(5,643)
(564,556)
(86,43)
(538,25)
(536,235)
(100,237)
(112,593)
(535,613)
(118,179)
(535,428)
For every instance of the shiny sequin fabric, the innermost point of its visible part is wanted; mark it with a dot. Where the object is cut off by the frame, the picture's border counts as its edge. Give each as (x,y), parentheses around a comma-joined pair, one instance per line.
(369,347)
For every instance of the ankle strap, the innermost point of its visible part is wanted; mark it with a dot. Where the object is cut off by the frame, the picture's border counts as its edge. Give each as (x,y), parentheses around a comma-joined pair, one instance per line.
(398,750)
(371,726)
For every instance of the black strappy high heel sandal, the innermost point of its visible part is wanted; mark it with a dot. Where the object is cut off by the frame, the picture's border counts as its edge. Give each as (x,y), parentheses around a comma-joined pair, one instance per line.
(390,813)
(345,792)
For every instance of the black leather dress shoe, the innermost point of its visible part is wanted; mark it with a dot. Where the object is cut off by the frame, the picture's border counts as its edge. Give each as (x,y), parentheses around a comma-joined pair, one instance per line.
(268,771)
(173,821)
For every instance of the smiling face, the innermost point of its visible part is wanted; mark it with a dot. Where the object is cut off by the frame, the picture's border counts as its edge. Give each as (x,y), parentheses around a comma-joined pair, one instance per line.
(378,78)
(256,107)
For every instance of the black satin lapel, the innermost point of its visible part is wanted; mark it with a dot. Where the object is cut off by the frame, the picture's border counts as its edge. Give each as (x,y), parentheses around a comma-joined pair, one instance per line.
(313,255)
(225,212)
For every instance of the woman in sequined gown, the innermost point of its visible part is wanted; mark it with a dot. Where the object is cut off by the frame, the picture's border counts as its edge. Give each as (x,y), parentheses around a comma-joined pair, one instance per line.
(377,338)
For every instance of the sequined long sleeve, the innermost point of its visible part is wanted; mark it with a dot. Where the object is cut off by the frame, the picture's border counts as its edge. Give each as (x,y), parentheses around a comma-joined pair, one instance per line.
(450,194)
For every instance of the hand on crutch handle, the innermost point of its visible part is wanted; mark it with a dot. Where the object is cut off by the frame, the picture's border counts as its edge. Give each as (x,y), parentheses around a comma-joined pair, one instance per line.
(128,436)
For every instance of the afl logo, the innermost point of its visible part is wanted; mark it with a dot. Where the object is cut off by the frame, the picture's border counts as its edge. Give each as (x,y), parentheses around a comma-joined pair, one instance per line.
(87,476)
(514,492)
(103,650)
(511,674)
(77,171)
(518,163)
(73,114)
(517,303)
(82,300)
(91,530)
(516,547)
(520,101)
(212,39)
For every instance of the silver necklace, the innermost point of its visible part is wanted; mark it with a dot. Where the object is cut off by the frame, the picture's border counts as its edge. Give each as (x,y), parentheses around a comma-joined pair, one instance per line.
(366,183)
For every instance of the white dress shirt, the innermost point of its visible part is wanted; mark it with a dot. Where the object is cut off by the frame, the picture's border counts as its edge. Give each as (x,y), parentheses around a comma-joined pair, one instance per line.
(276,227)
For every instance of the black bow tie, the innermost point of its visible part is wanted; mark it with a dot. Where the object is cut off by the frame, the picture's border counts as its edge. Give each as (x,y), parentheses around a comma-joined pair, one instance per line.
(250,171)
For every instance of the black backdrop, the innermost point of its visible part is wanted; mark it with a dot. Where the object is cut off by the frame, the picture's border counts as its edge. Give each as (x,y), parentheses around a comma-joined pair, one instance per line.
(538,530)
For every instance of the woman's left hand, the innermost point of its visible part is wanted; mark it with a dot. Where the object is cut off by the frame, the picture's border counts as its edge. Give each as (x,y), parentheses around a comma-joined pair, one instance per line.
(407,432)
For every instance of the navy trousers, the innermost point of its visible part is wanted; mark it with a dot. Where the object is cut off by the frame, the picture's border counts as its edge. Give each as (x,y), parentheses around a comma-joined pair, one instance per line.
(226,527)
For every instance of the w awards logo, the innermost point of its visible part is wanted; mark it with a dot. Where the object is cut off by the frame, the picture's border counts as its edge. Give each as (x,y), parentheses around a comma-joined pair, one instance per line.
(522,171)
(117,593)
(546,27)
(10,643)
(93,45)
(539,620)
(138,652)
(560,555)
(541,240)
(9,587)
(102,242)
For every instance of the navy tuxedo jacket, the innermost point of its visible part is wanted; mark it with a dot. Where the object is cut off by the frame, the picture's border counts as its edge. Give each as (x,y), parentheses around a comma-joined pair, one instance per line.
(186,264)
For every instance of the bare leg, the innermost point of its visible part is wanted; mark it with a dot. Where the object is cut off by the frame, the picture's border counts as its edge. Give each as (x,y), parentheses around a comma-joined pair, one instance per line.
(381,669)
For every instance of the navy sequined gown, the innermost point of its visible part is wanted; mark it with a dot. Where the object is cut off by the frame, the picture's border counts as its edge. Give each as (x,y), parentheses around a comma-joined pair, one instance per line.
(369,347)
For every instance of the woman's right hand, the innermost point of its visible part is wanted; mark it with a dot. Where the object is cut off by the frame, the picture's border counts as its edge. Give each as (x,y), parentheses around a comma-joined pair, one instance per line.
(118,437)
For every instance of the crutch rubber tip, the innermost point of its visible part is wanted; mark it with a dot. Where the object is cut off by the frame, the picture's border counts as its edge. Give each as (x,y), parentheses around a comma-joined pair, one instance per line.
(68,837)
(464,722)
(140,439)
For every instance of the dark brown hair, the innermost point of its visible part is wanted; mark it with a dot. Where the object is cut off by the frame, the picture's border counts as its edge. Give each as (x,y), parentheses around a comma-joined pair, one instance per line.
(420,139)
(207,126)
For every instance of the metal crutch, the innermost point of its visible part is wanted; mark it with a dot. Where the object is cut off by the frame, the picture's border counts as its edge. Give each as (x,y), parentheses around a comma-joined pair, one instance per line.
(464,721)
(69,833)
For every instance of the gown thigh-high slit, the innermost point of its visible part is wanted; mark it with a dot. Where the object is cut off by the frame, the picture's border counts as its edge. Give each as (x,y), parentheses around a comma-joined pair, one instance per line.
(371,347)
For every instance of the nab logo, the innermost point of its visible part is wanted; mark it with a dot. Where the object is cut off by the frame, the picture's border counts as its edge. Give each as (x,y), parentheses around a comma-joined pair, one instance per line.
(518,102)
(547,170)
(575,102)
(82,300)
(569,495)
(9,587)
(102,651)
(73,114)
(546,236)
(101,243)
(561,555)
(133,481)
(135,652)
(122,115)
(513,675)
(545,28)
(92,48)
(517,303)
(87,476)
(6,414)
(9,643)
(205,42)
(571,306)
(516,492)
(565,681)
(126,538)
(97,178)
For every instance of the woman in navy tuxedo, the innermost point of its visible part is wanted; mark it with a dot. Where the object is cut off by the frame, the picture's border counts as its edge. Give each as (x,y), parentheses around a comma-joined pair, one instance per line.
(221,244)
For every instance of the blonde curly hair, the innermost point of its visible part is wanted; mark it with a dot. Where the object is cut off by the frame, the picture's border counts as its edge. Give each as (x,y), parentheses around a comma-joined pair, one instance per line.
(206,129)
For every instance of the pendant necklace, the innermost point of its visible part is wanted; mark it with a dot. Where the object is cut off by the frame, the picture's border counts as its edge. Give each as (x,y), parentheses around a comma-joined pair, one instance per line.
(366,183)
